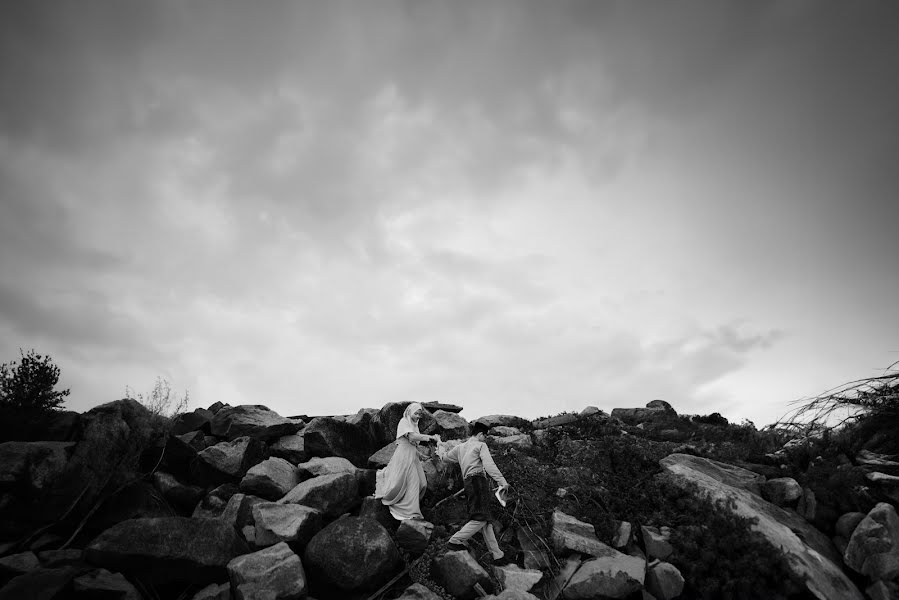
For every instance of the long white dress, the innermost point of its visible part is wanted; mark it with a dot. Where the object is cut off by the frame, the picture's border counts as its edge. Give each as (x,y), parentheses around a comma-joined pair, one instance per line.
(400,484)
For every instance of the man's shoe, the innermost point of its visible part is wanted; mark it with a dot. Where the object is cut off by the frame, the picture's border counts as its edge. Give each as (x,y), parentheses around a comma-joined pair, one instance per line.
(502,561)
(453,546)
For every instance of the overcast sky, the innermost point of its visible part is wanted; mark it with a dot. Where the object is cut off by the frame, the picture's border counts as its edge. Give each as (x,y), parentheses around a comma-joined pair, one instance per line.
(518,207)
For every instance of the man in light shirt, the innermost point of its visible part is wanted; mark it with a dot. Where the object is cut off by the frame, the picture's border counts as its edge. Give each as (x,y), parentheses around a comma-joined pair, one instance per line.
(473,456)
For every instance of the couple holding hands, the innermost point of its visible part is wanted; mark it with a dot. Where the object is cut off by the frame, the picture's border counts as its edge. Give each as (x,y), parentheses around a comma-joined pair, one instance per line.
(402,482)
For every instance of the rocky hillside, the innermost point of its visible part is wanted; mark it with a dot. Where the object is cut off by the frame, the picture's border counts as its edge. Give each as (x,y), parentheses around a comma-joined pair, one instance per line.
(240,502)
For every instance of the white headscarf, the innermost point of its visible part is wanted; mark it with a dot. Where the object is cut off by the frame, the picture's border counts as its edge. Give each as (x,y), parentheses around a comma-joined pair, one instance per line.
(407,424)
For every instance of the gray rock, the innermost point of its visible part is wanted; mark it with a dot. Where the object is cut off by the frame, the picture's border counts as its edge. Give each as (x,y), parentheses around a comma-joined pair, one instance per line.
(413,535)
(61,558)
(379,459)
(888,484)
(847,523)
(808,505)
(291,448)
(662,406)
(512,595)
(656,542)
(197,420)
(328,465)
(591,410)
(326,436)
(178,494)
(812,556)
(502,421)
(568,535)
(227,461)
(40,584)
(557,421)
(30,467)
(782,491)
(274,572)
(214,503)
(14,565)
(873,549)
(451,426)
(168,549)
(292,523)
(417,591)
(624,535)
(664,581)
(214,591)
(254,421)
(612,576)
(238,512)
(503,431)
(101,583)
(373,508)
(883,590)
(333,495)
(353,554)
(457,572)
(270,479)
(513,577)
(521,441)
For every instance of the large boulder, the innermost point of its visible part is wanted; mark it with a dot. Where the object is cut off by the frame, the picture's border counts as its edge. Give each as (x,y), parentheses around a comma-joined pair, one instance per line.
(168,549)
(809,553)
(198,420)
(654,409)
(513,577)
(213,503)
(782,491)
(417,591)
(228,461)
(238,512)
(451,426)
(270,479)
(568,535)
(17,564)
(352,554)
(873,549)
(255,421)
(502,421)
(275,572)
(413,535)
(521,441)
(615,575)
(111,438)
(847,523)
(664,581)
(327,436)
(324,466)
(291,523)
(101,583)
(180,495)
(28,468)
(41,584)
(457,572)
(556,421)
(214,591)
(291,448)
(656,541)
(379,459)
(333,495)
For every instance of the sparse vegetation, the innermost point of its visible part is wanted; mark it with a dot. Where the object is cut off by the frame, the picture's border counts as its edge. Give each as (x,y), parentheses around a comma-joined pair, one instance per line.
(161,401)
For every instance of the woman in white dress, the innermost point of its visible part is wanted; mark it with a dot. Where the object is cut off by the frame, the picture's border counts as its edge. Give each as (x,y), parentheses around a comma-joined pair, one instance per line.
(401,483)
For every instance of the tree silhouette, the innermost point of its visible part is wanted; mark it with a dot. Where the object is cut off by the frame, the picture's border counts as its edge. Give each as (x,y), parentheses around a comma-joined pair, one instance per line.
(27,392)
